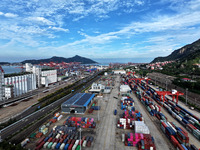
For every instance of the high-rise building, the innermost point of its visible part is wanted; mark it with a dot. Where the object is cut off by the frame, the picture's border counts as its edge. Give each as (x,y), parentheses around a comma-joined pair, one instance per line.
(2,90)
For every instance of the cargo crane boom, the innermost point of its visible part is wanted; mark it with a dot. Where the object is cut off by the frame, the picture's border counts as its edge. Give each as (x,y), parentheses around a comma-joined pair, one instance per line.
(173,94)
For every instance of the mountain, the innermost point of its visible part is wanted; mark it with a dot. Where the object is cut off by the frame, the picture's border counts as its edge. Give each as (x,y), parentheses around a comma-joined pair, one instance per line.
(56,59)
(4,63)
(188,52)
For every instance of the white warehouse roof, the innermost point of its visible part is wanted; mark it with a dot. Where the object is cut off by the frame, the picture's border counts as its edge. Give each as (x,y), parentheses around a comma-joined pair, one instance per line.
(125,88)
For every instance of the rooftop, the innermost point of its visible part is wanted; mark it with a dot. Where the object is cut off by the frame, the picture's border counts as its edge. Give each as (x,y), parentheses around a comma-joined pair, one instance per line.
(80,99)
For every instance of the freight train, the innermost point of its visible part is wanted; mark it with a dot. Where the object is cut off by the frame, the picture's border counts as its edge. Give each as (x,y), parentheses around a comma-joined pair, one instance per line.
(177,135)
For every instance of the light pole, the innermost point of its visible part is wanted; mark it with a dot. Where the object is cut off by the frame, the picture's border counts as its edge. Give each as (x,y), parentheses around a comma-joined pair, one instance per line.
(166,85)
(186,95)
(80,137)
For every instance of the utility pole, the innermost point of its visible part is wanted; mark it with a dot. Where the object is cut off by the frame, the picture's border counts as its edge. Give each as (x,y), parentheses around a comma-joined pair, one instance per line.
(186,95)
(98,110)
(80,137)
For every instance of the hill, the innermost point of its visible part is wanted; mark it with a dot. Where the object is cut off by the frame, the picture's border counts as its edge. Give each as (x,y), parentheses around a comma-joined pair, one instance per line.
(56,59)
(188,52)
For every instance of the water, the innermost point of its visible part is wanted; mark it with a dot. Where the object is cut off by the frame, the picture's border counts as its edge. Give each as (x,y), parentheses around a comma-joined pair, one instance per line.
(106,61)
(11,69)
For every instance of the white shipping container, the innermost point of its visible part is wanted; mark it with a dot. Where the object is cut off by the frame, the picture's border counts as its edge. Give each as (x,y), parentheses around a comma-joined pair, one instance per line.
(24,142)
(45,145)
(77,141)
(54,145)
(62,146)
(171,126)
(57,136)
(84,143)
(74,147)
(59,117)
(54,128)
(123,137)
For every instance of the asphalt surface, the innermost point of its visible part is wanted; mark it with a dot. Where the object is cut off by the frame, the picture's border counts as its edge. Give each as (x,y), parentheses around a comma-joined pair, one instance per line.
(31,116)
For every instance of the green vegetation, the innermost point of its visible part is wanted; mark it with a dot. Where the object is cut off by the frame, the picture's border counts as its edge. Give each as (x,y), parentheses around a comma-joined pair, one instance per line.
(5,145)
(182,99)
(143,72)
(192,86)
(181,67)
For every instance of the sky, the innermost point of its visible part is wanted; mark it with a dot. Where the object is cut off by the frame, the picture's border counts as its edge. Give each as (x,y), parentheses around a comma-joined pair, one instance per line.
(133,29)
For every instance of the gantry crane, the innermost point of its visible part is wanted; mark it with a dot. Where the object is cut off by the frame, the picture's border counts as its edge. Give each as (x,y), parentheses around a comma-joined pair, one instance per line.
(174,95)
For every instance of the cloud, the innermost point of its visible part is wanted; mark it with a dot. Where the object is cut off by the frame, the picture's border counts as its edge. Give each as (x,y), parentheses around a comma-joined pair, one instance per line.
(41,20)
(8,15)
(59,29)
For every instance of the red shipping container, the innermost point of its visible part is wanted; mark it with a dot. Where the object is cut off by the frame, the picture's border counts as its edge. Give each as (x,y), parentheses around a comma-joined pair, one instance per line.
(39,146)
(40,140)
(174,141)
(70,146)
(50,139)
(179,147)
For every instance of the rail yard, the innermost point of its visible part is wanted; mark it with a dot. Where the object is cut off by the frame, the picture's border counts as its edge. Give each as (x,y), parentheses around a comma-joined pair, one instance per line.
(125,118)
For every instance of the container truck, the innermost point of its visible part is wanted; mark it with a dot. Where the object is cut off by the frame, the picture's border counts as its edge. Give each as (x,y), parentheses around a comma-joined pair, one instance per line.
(115,112)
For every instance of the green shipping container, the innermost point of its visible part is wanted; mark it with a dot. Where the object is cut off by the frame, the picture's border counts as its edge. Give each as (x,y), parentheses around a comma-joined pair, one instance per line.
(32,135)
(78,147)
(49,145)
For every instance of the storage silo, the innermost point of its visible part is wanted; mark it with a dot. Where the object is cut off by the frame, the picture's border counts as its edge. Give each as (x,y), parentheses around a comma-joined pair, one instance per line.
(34,81)
(13,83)
(25,83)
(16,92)
(23,86)
(20,85)
(28,82)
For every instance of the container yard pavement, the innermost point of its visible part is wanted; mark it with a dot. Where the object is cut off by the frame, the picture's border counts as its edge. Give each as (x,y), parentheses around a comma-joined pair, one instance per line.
(107,125)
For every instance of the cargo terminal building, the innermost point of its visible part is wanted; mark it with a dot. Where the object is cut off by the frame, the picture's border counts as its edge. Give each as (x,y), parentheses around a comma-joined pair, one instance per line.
(78,103)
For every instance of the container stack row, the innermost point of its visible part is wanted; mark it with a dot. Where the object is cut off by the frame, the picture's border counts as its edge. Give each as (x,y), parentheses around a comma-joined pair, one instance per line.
(64,138)
(127,103)
(175,134)
(80,122)
(189,122)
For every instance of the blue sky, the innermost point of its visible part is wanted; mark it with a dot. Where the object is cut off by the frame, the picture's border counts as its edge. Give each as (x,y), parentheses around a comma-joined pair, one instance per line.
(140,29)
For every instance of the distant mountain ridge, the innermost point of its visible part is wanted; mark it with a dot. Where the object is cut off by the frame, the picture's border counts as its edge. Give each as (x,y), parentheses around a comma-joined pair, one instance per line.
(56,59)
(190,51)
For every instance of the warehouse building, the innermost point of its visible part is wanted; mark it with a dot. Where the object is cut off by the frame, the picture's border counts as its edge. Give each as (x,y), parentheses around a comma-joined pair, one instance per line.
(125,89)
(96,88)
(2,91)
(119,71)
(78,103)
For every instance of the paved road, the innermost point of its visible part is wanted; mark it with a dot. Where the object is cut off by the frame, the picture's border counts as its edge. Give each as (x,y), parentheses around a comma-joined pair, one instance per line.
(106,129)
(34,116)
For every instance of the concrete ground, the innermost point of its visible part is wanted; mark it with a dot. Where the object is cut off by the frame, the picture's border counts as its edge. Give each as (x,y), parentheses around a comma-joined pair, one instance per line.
(9,112)
(107,125)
